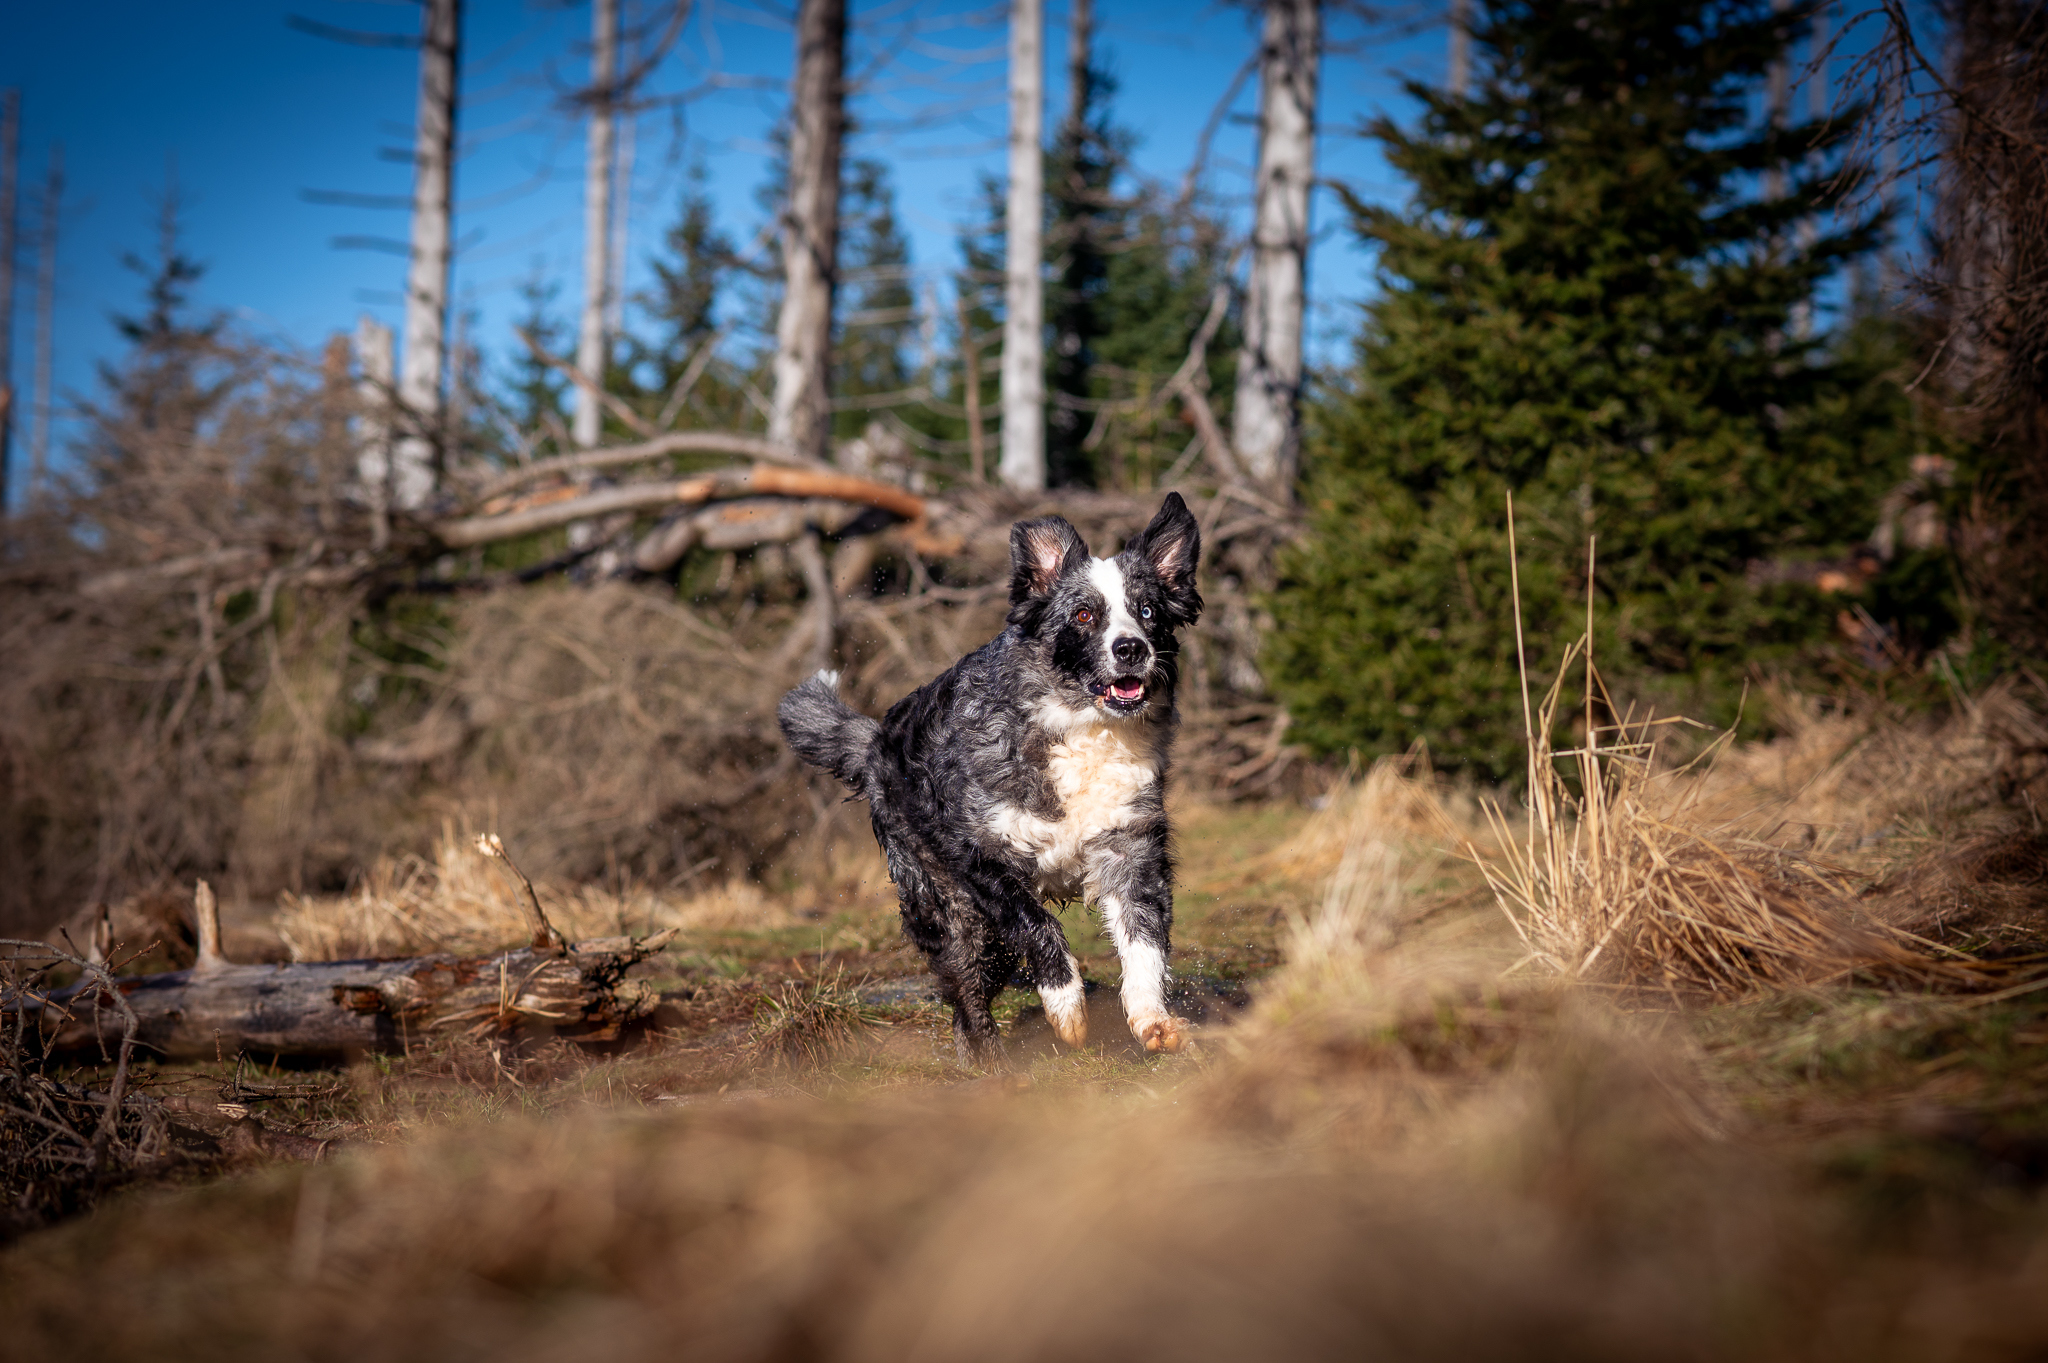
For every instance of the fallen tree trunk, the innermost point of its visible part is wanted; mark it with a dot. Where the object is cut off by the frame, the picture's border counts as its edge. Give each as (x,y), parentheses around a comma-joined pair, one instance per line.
(561,506)
(334,1007)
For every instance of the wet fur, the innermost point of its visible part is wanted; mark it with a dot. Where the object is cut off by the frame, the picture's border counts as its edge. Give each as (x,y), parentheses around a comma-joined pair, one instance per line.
(1013,778)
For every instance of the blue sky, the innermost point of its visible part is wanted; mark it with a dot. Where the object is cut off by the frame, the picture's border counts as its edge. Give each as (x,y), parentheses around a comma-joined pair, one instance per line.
(250,112)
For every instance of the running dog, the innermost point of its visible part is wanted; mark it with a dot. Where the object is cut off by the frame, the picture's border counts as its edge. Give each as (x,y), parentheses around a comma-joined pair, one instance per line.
(1034,769)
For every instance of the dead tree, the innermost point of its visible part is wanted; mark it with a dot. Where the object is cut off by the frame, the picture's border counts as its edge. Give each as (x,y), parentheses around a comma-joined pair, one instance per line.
(413,474)
(801,416)
(1777,104)
(373,426)
(1266,425)
(597,219)
(46,320)
(1023,387)
(10,161)
(1458,63)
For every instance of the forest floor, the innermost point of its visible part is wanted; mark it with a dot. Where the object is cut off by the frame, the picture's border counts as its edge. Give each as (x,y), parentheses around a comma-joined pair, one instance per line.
(1386,1137)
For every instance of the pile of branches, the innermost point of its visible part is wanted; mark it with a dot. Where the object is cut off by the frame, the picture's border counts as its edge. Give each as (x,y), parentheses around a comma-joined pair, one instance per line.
(234,659)
(70,1133)
(63,1143)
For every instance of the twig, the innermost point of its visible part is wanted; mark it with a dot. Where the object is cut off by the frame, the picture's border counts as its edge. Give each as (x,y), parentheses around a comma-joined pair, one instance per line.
(544,935)
(614,404)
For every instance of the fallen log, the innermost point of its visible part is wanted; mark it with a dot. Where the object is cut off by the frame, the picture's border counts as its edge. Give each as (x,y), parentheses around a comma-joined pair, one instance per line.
(545,511)
(340,1007)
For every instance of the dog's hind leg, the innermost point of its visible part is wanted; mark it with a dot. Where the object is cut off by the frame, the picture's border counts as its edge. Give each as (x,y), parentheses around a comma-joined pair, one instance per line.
(1130,879)
(972,968)
(1032,931)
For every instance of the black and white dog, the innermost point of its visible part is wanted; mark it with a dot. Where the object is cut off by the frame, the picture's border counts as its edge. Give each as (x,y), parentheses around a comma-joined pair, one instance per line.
(1034,769)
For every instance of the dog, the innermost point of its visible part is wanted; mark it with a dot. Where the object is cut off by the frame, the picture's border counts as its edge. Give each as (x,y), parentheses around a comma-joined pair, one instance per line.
(1034,769)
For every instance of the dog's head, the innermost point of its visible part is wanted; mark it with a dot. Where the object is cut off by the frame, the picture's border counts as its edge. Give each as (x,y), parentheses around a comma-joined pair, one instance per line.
(1105,626)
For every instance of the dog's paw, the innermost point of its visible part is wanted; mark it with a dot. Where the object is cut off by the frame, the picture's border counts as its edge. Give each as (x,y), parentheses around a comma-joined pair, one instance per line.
(1161,1034)
(1066,1008)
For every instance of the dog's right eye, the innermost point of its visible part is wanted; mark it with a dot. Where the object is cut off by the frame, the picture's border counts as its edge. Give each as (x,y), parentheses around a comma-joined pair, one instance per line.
(1084,616)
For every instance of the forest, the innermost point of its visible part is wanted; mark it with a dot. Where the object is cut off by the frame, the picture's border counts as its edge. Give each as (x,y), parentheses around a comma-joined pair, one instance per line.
(1611,908)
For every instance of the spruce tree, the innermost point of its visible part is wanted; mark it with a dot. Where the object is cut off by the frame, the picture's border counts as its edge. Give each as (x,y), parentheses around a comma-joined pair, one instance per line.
(536,391)
(876,310)
(1589,304)
(688,276)
(1085,222)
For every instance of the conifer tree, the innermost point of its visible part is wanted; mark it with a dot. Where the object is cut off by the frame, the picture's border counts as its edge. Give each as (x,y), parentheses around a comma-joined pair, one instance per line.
(537,391)
(683,302)
(876,313)
(1587,304)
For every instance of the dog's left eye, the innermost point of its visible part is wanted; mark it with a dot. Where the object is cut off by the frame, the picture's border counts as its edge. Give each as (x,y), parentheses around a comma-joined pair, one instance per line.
(1144,612)
(1084,616)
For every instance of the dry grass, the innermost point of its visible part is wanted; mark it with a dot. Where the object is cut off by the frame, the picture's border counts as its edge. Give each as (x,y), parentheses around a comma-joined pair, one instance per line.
(1397,1153)
(1835,780)
(809,1022)
(1436,1167)
(462,902)
(1618,876)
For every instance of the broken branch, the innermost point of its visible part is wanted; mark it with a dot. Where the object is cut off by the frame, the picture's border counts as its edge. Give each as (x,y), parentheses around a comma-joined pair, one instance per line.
(774,482)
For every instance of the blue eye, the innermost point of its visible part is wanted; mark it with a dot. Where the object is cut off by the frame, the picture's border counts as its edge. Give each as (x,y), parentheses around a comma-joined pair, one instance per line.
(1144,612)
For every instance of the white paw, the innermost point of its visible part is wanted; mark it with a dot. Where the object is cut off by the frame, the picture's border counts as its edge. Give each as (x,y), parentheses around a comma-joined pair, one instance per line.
(1160,1032)
(1066,1008)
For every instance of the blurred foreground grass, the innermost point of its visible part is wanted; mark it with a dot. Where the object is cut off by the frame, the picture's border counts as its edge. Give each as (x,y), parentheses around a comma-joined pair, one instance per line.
(1400,1147)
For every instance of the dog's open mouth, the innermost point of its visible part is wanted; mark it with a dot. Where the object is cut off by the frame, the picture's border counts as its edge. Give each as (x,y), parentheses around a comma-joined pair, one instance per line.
(1125,693)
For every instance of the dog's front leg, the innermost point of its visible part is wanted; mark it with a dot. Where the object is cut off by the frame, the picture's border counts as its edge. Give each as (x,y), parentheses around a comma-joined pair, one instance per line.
(1130,879)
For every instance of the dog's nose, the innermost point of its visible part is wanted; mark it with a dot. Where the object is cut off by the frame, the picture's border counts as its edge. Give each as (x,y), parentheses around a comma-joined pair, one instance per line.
(1129,650)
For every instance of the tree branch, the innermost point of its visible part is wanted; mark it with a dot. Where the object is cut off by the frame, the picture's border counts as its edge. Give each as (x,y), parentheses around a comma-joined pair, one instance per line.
(774,482)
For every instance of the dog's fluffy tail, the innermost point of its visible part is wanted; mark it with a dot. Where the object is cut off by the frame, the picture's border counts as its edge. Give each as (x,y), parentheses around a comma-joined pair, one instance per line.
(826,732)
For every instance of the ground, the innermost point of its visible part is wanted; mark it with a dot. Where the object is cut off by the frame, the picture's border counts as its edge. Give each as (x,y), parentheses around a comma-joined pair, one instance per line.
(1384,1139)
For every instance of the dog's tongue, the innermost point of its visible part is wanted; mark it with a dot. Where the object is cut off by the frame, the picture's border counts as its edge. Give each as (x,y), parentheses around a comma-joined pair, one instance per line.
(1127,690)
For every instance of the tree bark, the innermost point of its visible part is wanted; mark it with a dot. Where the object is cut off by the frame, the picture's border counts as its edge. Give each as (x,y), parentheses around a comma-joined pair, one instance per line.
(1777,105)
(801,416)
(1458,64)
(561,506)
(336,1007)
(415,455)
(1023,390)
(10,163)
(597,220)
(46,321)
(373,425)
(1266,425)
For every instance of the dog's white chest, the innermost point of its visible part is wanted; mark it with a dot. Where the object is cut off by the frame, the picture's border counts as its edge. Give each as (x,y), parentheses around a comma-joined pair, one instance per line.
(1099,770)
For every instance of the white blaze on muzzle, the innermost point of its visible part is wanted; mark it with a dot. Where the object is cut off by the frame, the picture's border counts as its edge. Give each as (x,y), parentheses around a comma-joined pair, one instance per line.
(1107,577)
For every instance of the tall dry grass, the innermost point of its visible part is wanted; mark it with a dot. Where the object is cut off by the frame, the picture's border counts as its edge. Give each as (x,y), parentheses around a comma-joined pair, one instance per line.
(460,901)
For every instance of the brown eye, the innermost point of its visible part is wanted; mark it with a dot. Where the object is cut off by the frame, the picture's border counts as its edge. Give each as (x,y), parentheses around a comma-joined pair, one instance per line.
(1084,616)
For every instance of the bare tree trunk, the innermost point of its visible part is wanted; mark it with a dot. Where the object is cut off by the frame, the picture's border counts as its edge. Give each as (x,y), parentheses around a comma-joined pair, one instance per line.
(1080,49)
(622,221)
(1817,109)
(970,392)
(1777,104)
(1458,72)
(414,459)
(373,426)
(1266,426)
(1023,457)
(10,164)
(46,321)
(597,219)
(802,413)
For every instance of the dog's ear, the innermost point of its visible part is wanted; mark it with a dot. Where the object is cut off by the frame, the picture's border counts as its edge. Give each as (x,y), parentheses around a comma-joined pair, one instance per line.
(1041,551)
(1172,544)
